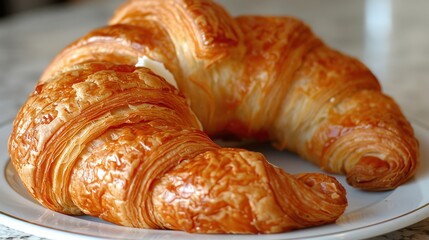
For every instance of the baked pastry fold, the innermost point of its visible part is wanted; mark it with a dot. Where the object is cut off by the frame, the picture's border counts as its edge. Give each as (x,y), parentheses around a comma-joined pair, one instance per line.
(264,78)
(120,143)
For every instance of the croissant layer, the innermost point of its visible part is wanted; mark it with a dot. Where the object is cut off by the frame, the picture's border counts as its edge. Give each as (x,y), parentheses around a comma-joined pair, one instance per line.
(103,136)
(271,78)
(120,143)
(265,78)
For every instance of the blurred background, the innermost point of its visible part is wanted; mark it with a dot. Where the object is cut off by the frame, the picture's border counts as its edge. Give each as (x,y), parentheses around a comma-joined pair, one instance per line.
(8,7)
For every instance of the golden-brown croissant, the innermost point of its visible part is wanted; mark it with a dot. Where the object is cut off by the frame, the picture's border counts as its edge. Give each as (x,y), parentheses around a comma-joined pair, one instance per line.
(266,78)
(120,143)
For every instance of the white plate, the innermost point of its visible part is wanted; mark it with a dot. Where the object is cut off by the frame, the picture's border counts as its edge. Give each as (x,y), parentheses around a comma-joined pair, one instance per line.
(368,214)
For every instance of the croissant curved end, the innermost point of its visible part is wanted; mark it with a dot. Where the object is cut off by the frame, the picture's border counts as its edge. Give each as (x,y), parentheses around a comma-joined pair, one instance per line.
(374,174)
(324,184)
(256,197)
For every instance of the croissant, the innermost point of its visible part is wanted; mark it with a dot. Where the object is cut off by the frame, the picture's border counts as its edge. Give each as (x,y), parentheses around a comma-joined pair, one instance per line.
(264,78)
(121,143)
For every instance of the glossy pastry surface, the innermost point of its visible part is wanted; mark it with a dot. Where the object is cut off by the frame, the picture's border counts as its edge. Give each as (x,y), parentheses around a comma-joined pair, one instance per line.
(120,143)
(103,137)
(266,78)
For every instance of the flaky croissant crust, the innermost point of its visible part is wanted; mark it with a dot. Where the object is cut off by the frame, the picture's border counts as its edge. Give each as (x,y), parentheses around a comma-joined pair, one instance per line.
(102,137)
(120,143)
(266,78)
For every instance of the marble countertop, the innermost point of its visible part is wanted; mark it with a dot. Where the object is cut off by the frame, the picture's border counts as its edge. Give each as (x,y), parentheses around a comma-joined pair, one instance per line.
(391,37)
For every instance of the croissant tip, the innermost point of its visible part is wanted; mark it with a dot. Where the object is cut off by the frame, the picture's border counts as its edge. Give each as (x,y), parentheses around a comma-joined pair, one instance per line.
(373,174)
(325,184)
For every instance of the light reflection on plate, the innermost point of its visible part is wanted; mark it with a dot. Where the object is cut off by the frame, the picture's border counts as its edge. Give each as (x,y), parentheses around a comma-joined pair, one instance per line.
(368,214)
